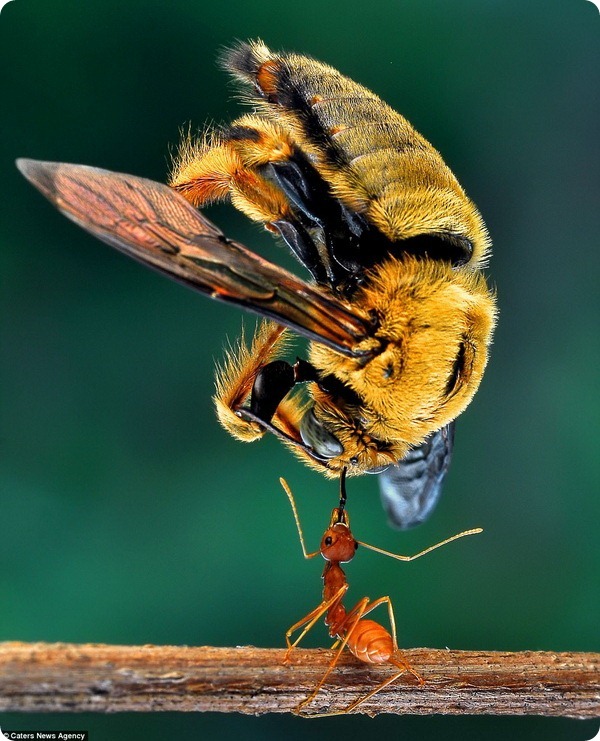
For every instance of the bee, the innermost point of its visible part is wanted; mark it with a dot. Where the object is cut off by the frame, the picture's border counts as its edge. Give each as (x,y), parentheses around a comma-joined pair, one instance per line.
(398,312)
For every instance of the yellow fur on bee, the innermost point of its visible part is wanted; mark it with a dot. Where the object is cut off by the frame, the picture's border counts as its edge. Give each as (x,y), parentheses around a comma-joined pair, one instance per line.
(270,143)
(257,198)
(235,377)
(424,362)
(426,310)
(203,170)
(372,158)
(213,168)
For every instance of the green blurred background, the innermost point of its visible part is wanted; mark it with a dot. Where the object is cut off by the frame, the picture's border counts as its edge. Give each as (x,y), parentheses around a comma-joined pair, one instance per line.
(128,516)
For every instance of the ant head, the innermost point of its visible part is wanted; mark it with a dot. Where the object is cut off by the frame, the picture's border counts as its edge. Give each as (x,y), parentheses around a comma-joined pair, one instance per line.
(337,543)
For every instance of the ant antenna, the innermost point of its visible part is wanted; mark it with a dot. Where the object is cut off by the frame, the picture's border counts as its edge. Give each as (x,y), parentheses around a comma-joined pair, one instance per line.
(474,531)
(290,496)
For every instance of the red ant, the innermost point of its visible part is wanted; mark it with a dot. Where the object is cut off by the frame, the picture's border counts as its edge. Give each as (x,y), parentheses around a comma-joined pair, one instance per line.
(366,639)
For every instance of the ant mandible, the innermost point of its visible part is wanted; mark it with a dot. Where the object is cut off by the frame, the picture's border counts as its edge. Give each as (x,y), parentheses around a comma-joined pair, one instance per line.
(366,639)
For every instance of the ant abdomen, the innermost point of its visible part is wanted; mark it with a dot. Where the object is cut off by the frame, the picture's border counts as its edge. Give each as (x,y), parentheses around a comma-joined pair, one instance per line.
(371,642)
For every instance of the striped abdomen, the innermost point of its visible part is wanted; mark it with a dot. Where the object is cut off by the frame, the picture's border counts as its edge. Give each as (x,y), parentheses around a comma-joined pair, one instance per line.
(371,643)
(373,160)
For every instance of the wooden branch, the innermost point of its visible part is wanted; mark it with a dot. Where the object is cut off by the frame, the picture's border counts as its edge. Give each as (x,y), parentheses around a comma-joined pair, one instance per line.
(49,678)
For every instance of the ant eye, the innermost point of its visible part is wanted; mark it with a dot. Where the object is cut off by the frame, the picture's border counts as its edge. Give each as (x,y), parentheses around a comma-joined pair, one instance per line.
(328,540)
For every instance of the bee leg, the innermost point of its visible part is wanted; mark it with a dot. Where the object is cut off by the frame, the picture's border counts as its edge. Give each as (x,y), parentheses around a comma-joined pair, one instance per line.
(340,229)
(235,379)
(272,181)
(301,245)
(251,389)
(251,142)
(274,381)
(303,186)
(285,415)
(309,196)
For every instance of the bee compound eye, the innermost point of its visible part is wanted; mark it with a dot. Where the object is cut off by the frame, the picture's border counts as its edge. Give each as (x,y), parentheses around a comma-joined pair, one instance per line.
(314,434)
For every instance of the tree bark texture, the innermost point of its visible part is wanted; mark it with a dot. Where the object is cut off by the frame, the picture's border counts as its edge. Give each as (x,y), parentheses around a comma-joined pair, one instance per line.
(48,678)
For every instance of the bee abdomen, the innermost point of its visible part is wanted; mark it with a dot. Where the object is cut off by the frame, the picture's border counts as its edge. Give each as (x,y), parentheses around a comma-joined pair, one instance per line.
(373,161)
(371,643)
(328,105)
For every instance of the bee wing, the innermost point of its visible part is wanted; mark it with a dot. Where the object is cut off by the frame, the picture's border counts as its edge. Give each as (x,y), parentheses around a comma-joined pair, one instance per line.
(155,225)
(410,489)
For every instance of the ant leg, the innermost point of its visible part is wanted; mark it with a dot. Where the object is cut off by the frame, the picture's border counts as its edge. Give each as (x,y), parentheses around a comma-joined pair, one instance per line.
(376,603)
(368,696)
(310,620)
(353,617)
(402,665)
(357,613)
(392,619)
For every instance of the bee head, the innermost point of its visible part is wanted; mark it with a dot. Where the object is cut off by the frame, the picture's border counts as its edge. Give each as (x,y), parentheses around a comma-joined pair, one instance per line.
(435,325)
